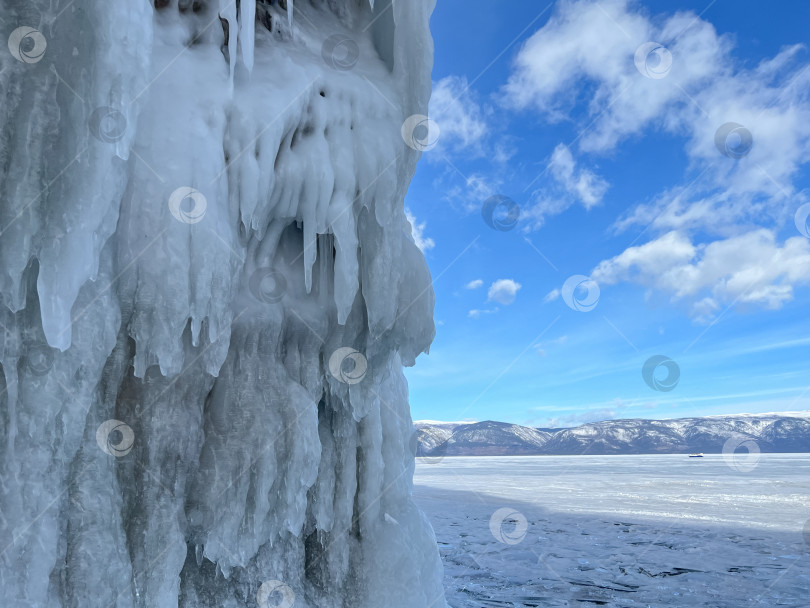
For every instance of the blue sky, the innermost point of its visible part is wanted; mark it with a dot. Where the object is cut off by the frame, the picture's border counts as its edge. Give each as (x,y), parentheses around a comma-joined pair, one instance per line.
(619,178)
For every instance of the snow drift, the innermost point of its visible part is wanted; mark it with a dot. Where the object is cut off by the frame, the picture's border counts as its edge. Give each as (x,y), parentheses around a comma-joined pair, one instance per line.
(208,291)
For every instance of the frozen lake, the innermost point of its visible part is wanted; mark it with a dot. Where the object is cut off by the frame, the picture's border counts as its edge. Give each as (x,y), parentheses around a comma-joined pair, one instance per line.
(655,530)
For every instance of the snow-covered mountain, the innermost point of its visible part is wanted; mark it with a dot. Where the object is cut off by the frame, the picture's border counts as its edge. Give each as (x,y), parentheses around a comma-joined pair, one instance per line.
(777,432)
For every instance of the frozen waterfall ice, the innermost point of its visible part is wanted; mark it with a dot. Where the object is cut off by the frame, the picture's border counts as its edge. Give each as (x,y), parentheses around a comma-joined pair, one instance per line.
(209,289)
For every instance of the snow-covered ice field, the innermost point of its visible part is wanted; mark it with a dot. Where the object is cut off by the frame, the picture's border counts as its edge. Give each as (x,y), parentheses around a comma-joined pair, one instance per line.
(659,530)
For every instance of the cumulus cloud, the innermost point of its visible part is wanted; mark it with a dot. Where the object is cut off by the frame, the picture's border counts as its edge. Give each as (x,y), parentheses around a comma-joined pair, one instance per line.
(418,232)
(503,291)
(751,268)
(474,284)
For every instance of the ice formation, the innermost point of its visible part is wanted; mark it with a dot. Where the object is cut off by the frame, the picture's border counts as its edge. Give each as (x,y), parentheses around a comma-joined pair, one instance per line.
(209,289)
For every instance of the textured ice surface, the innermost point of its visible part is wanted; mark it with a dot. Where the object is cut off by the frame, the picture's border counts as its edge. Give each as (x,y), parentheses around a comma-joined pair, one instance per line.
(208,291)
(621,531)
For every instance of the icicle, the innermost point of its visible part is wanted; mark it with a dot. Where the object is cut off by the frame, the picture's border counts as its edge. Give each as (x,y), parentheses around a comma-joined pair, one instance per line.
(227,11)
(247,31)
(198,554)
(290,13)
(371,3)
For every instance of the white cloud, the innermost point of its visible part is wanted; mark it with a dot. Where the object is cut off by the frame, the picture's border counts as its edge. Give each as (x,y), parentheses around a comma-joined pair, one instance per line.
(589,46)
(476,313)
(751,268)
(586,52)
(588,187)
(460,118)
(713,235)
(474,284)
(418,232)
(503,291)
(571,184)
(551,295)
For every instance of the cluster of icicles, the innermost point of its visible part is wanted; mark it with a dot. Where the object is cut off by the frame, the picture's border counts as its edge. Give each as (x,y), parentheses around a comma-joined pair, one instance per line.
(209,289)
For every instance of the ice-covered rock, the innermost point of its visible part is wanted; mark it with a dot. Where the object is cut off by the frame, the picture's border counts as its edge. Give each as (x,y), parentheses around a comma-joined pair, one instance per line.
(209,289)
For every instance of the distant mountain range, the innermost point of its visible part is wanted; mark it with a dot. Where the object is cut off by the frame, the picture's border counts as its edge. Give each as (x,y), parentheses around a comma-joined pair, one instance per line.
(778,432)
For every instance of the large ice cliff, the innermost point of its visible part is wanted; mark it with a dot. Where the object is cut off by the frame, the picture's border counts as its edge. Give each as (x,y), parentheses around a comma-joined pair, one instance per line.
(209,290)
